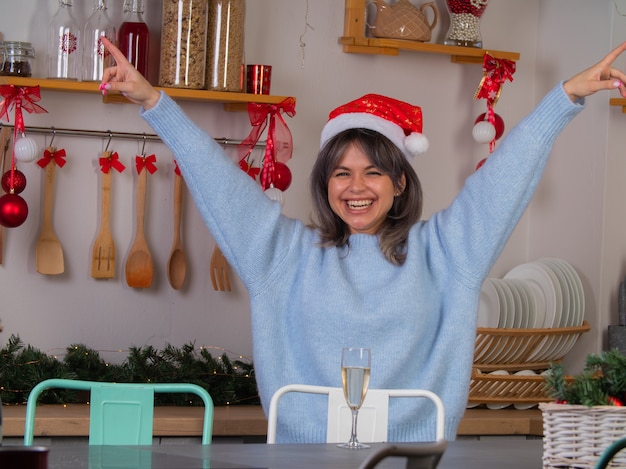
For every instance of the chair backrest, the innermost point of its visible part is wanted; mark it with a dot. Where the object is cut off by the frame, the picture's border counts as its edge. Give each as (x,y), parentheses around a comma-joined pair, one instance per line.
(373,415)
(120,413)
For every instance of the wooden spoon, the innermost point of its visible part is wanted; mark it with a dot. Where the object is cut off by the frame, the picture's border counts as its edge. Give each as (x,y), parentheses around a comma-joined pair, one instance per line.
(139,267)
(5,141)
(177,263)
(103,253)
(48,251)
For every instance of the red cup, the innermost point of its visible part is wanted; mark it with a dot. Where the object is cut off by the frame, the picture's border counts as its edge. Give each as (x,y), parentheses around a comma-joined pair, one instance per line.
(258,79)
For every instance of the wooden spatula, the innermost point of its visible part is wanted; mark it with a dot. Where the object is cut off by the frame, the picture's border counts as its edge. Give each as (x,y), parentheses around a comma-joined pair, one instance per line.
(48,251)
(103,256)
(139,267)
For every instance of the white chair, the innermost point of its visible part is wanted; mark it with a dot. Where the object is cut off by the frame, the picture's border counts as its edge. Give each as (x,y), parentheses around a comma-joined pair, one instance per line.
(372,422)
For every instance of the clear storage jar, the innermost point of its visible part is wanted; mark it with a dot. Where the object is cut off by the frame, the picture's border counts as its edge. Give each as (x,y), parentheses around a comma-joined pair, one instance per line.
(225,69)
(17,58)
(465,22)
(183,44)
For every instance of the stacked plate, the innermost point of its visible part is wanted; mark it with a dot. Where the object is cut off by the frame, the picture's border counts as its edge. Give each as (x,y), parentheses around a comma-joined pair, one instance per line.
(547,293)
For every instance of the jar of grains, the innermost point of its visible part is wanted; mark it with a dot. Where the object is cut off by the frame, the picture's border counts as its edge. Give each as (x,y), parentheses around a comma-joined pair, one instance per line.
(225,68)
(465,22)
(183,44)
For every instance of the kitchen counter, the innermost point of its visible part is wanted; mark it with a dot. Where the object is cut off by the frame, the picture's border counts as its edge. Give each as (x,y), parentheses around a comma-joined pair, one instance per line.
(73,420)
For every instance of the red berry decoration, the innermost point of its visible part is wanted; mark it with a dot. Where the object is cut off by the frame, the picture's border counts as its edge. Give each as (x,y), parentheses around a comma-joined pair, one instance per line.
(282,176)
(13,210)
(498,124)
(17,183)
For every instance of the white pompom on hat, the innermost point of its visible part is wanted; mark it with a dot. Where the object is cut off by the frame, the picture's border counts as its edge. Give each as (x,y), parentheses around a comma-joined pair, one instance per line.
(400,122)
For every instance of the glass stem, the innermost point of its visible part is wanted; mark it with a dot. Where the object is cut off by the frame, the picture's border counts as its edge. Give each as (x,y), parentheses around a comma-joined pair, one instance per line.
(353,439)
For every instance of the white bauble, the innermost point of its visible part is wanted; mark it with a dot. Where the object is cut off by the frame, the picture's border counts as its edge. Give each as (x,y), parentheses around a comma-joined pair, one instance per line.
(26,149)
(275,194)
(484,132)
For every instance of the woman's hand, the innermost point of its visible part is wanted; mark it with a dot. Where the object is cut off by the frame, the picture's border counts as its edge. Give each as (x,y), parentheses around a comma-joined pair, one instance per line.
(125,78)
(602,76)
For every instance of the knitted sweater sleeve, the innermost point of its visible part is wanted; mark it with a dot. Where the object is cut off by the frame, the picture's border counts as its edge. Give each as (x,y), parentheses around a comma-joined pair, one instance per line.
(247,225)
(474,229)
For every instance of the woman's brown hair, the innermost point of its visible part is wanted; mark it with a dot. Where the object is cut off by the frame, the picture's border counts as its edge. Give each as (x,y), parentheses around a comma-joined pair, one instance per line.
(387,158)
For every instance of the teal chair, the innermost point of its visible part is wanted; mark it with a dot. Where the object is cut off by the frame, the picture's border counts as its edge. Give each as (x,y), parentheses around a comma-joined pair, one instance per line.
(120,413)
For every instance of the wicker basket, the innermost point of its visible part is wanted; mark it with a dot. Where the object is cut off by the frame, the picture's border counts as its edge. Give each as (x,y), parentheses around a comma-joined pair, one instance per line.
(576,435)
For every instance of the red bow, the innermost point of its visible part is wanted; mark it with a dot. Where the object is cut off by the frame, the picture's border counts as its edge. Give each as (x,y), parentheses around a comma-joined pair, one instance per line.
(146,162)
(51,154)
(112,161)
(176,168)
(279,143)
(18,98)
(496,72)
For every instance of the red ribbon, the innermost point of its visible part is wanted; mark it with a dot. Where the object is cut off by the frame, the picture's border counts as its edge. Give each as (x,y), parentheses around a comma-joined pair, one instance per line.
(279,143)
(147,162)
(176,168)
(55,155)
(18,98)
(112,161)
(496,72)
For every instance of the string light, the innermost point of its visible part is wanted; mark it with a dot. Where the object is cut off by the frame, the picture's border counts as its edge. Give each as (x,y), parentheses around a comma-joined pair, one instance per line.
(307,26)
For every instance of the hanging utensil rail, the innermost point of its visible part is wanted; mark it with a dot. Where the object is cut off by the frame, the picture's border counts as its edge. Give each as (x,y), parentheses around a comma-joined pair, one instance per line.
(114,135)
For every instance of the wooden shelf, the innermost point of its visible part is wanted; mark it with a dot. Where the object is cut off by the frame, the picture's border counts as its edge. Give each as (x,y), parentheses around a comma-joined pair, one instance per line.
(619,102)
(354,41)
(231,101)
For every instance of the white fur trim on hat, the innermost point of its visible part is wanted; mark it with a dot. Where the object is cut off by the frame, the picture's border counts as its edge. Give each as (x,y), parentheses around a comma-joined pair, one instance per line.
(410,145)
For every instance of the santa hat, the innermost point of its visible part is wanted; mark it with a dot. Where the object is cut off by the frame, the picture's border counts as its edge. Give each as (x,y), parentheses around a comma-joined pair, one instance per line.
(400,122)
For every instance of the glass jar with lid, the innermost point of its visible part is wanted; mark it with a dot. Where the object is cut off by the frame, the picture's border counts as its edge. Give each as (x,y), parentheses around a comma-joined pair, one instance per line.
(225,45)
(17,58)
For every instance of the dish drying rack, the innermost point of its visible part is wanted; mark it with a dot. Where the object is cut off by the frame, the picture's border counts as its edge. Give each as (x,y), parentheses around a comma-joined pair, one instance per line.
(514,350)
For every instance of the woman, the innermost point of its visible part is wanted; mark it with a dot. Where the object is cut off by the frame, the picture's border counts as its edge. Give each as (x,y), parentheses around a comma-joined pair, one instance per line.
(369,273)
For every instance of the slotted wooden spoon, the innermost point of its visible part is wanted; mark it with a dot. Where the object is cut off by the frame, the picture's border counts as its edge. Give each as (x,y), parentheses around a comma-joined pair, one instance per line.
(48,251)
(103,256)
(139,266)
(177,263)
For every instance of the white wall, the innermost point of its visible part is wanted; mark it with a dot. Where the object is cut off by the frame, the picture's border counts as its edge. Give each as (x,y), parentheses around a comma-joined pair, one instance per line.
(575,215)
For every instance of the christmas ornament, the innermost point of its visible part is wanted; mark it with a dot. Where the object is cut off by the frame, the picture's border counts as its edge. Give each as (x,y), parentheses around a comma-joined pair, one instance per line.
(13,210)
(282,176)
(484,132)
(498,123)
(275,194)
(13,181)
(25,149)
(279,143)
(495,73)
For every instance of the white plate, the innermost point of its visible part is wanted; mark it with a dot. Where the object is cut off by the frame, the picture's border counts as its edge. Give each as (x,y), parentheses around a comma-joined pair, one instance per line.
(488,305)
(530,405)
(494,391)
(531,272)
(577,287)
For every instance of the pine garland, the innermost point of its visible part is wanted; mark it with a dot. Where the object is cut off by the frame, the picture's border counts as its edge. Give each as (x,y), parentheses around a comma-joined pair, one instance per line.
(601,382)
(228,382)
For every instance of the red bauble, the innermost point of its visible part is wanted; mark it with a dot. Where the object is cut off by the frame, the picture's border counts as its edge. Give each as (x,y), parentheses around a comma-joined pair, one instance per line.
(498,124)
(13,210)
(17,182)
(282,176)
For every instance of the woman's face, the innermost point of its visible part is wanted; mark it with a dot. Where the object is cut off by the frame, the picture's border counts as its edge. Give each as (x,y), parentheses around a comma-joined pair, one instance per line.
(359,193)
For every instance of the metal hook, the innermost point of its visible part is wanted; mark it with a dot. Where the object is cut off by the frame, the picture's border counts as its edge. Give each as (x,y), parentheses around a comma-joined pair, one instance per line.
(54,132)
(143,148)
(109,142)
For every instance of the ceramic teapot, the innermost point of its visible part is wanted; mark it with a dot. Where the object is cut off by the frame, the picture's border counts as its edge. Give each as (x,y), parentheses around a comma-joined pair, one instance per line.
(403,20)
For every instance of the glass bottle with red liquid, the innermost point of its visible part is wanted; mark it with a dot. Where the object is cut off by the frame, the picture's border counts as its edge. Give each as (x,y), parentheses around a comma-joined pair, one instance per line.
(134,36)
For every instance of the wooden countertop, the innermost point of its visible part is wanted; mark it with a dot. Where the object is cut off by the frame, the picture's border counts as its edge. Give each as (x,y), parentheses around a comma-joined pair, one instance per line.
(73,420)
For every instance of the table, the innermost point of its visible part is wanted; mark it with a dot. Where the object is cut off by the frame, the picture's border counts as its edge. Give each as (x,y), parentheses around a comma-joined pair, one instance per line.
(466,454)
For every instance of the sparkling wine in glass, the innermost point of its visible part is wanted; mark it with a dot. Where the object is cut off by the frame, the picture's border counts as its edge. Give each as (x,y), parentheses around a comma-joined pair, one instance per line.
(355,377)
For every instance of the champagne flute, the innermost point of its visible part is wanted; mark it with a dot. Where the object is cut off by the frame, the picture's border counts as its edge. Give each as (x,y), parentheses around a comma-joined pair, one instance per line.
(355,377)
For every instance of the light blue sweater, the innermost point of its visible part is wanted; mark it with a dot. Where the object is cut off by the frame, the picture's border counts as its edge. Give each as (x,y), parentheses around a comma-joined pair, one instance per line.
(308,302)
